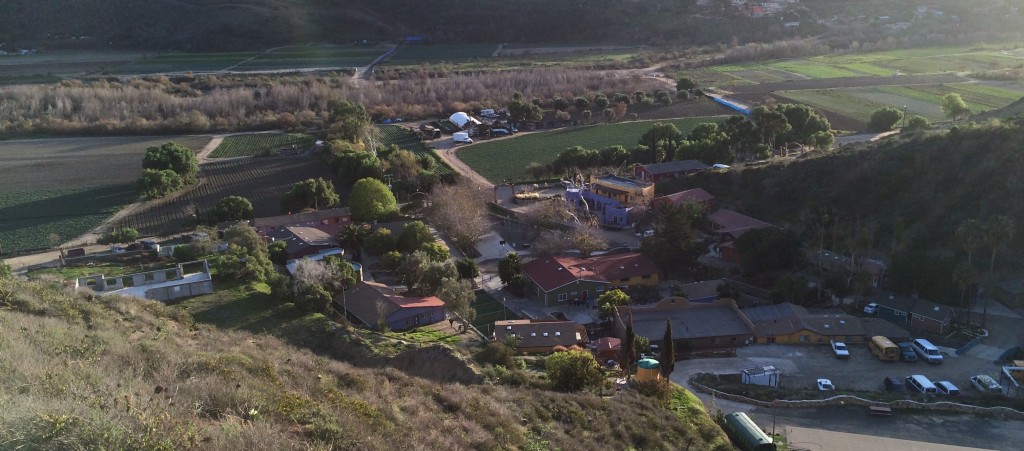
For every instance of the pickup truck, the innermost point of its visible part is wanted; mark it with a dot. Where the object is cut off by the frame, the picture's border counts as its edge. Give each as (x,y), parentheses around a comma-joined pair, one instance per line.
(839,348)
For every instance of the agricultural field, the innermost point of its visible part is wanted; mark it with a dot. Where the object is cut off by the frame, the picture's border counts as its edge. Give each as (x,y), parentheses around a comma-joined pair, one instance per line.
(397,135)
(313,57)
(437,53)
(261,180)
(184,62)
(40,219)
(875,64)
(68,186)
(260,144)
(53,66)
(923,100)
(509,158)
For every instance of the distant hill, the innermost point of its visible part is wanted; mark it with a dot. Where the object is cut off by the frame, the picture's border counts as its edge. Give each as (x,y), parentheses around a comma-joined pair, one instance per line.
(926,185)
(252,24)
(1011,110)
(121,373)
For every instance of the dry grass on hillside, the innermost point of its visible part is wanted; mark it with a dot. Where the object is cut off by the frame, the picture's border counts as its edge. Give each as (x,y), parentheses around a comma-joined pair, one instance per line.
(121,373)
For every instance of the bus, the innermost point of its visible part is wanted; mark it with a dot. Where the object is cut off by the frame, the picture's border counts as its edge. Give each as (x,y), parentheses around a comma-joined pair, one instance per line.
(884,349)
(745,434)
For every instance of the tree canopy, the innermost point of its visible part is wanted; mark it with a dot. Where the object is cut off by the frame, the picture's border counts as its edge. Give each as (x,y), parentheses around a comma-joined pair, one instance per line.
(174,157)
(573,371)
(371,200)
(310,193)
(347,119)
(156,183)
(232,208)
(768,249)
(884,119)
(954,107)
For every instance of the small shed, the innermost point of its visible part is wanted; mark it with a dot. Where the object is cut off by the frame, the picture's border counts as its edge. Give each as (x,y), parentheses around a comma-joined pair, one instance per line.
(647,370)
(607,348)
(1011,378)
(765,375)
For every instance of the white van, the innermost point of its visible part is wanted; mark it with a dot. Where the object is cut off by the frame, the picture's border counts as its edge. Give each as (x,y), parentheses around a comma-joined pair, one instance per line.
(922,384)
(927,350)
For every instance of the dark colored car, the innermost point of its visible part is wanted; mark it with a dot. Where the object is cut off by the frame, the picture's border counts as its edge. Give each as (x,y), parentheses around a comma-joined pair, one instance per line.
(907,353)
(894,384)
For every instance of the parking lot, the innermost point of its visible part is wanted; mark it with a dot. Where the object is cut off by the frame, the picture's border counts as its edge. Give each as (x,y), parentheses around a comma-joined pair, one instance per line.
(862,371)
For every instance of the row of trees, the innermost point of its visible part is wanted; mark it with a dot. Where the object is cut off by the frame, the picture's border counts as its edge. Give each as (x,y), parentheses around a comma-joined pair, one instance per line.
(710,142)
(885,119)
(156,105)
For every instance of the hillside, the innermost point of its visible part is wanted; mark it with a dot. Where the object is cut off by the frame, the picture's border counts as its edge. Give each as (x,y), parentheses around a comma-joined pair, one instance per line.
(254,24)
(120,373)
(925,185)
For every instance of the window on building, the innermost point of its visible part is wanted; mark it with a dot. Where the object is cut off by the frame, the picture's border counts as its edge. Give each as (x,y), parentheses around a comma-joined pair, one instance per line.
(805,339)
(624,279)
(645,276)
(600,289)
(561,297)
(574,294)
(558,334)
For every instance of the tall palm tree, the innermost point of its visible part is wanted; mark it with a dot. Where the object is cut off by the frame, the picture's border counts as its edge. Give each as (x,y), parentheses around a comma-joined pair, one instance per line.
(352,237)
(998,233)
(970,235)
(965,276)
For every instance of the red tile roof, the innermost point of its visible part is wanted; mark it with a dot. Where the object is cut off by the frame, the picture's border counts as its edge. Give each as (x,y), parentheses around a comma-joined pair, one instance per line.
(553,272)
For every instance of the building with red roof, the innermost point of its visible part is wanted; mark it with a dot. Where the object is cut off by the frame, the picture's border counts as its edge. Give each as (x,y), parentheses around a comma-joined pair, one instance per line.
(698,195)
(557,279)
(374,304)
(730,224)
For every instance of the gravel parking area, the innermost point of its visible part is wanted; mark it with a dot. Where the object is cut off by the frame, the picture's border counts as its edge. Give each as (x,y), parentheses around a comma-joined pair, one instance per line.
(862,371)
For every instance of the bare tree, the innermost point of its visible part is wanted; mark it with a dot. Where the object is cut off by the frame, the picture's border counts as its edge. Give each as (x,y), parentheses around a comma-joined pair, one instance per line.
(460,211)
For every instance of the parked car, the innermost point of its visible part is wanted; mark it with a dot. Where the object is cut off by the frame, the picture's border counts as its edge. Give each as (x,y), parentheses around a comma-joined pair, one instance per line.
(947,388)
(907,353)
(986,383)
(825,385)
(117,250)
(893,383)
(871,308)
(500,132)
(134,247)
(840,349)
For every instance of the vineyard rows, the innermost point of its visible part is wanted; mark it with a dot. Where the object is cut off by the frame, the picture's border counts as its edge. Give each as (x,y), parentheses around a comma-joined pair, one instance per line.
(260,144)
(261,180)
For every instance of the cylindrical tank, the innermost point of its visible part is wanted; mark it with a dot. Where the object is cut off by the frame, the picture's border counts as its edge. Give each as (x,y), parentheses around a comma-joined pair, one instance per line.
(647,370)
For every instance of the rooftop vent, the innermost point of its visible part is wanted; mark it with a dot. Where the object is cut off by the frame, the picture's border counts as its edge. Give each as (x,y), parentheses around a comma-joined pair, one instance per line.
(545,334)
(508,327)
(826,326)
(558,334)
(842,321)
(937,308)
(533,334)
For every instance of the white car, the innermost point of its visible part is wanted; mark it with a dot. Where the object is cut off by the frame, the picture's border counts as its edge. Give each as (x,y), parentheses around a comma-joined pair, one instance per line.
(986,383)
(840,349)
(825,385)
(871,308)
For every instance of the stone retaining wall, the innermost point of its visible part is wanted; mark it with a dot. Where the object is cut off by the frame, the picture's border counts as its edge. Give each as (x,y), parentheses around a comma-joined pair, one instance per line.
(843,400)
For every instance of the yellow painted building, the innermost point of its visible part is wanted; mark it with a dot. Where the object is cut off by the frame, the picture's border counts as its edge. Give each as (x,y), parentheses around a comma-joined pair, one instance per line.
(791,324)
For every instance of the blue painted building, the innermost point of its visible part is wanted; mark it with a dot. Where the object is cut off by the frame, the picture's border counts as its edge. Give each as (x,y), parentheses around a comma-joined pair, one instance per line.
(608,211)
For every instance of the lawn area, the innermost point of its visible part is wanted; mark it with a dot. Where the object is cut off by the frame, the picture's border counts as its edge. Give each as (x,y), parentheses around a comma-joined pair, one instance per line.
(239,306)
(508,158)
(489,310)
(106,269)
(260,144)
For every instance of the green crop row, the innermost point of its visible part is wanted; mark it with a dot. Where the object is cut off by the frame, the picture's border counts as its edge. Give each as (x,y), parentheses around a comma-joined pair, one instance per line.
(508,158)
(260,143)
(28,220)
